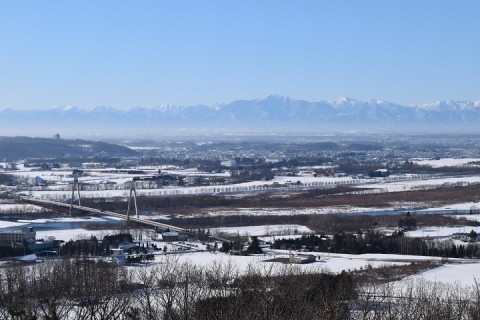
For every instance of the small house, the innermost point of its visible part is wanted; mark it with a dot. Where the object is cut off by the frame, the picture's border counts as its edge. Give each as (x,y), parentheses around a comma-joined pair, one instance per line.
(170,236)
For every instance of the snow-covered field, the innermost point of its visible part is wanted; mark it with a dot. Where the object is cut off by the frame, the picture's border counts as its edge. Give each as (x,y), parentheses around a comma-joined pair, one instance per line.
(404,185)
(446,162)
(458,271)
(440,232)
(19,208)
(11,224)
(464,274)
(461,271)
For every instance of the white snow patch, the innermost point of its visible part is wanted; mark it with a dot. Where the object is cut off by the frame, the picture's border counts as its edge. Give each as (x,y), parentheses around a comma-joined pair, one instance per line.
(463,274)
(446,162)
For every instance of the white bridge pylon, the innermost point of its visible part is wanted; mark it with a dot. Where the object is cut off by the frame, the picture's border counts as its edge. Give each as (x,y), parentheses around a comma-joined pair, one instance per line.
(77,185)
(133,191)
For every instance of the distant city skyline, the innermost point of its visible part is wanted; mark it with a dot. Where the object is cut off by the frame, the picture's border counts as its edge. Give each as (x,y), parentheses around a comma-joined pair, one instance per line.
(144,54)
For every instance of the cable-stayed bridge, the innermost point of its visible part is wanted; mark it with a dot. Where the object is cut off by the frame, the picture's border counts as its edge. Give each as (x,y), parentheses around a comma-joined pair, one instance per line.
(53,204)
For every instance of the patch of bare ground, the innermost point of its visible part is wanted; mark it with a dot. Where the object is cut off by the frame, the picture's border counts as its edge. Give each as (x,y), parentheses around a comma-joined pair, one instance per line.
(391,273)
(362,198)
(382,274)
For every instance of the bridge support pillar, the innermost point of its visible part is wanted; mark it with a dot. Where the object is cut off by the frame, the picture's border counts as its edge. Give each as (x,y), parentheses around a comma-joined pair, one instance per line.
(133,191)
(76,185)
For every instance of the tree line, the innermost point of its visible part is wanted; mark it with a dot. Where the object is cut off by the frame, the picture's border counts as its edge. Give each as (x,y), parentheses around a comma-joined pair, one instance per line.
(375,242)
(85,289)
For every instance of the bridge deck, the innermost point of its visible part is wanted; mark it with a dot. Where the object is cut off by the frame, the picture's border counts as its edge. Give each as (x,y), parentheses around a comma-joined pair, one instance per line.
(101,212)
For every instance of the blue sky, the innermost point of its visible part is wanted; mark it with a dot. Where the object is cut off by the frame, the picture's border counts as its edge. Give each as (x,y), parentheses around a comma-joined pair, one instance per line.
(145,53)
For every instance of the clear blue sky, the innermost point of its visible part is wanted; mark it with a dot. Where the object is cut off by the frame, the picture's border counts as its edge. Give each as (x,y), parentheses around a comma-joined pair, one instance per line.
(145,53)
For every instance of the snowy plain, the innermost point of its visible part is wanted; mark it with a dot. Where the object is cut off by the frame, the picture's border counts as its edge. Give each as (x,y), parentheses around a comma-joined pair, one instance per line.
(465,272)
(461,271)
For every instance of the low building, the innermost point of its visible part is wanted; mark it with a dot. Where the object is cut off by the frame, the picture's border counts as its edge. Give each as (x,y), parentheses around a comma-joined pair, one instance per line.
(170,236)
(307,173)
(39,246)
(39,181)
(174,236)
(465,237)
(129,247)
(301,258)
(379,173)
(118,256)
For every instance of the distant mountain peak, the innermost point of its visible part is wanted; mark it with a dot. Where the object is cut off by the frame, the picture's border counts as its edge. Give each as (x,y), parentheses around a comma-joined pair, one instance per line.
(451,105)
(274,113)
(343,100)
(102,109)
(273,98)
(67,108)
(168,106)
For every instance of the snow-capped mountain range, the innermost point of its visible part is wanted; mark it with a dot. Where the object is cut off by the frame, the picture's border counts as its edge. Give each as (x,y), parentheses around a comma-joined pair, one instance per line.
(273,114)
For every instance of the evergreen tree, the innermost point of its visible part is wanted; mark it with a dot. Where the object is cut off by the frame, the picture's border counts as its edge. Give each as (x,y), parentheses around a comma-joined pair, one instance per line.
(254,246)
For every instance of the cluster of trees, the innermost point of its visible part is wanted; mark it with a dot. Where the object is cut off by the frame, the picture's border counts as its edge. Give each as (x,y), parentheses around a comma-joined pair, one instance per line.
(397,167)
(6,178)
(321,223)
(22,210)
(417,300)
(83,289)
(9,251)
(42,165)
(237,246)
(375,242)
(408,222)
(94,247)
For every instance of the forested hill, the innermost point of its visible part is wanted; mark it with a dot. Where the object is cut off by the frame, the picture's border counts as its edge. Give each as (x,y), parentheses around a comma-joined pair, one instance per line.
(15,148)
